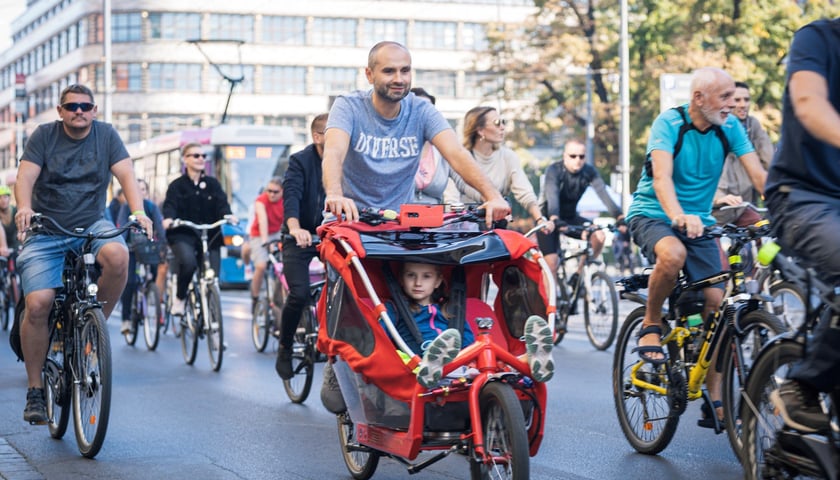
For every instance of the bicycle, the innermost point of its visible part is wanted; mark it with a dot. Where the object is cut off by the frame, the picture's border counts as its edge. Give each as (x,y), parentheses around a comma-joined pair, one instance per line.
(203,311)
(77,369)
(265,317)
(9,289)
(771,449)
(145,305)
(304,351)
(594,287)
(650,398)
(170,285)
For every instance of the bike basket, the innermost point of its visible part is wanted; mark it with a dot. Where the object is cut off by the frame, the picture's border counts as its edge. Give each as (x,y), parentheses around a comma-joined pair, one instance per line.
(147,253)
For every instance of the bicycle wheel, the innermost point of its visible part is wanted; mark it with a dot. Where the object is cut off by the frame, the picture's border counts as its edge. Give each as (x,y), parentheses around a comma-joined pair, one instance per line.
(92,387)
(505,436)
(759,421)
(214,327)
(136,310)
(303,361)
(6,300)
(189,326)
(600,311)
(361,462)
(757,328)
(57,393)
(151,315)
(262,318)
(788,303)
(644,415)
(563,307)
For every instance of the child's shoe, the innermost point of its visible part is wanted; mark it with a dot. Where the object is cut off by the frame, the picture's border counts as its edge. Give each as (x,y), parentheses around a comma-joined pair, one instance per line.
(538,346)
(443,350)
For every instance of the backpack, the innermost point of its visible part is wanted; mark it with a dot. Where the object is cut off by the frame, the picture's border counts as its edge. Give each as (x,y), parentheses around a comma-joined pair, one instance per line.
(684,128)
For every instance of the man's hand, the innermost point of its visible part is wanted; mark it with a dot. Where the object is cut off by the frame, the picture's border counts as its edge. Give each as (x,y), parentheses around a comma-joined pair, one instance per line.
(147,225)
(496,209)
(23,218)
(691,225)
(302,237)
(733,200)
(338,204)
(167,223)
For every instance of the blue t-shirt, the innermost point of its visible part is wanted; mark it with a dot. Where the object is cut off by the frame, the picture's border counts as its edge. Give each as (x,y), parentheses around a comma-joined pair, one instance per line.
(430,322)
(802,161)
(697,168)
(383,154)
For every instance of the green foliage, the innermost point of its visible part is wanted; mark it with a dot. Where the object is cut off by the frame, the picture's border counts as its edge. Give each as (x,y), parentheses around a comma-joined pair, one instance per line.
(552,52)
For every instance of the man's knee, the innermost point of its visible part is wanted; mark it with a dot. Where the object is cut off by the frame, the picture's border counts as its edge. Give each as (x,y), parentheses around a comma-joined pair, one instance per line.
(113,258)
(38,305)
(670,254)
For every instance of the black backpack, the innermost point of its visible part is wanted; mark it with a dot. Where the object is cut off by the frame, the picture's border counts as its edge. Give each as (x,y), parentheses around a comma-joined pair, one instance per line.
(686,127)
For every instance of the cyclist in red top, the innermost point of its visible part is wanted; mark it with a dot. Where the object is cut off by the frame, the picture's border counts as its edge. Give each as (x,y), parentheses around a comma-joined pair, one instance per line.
(268,218)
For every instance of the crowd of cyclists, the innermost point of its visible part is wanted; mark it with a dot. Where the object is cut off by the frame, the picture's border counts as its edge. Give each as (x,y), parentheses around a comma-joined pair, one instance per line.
(389,146)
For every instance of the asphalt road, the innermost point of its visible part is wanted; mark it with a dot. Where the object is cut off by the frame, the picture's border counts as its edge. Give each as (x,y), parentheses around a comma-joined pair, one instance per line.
(170,420)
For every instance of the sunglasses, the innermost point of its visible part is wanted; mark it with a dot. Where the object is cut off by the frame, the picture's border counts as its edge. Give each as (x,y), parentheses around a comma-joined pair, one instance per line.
(73,106)
(577,155)
(273,192)
(196,155)
(499,121)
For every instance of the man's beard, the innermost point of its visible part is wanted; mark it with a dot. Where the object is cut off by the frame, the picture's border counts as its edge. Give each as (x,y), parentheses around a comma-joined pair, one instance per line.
(712,115)
(384,92)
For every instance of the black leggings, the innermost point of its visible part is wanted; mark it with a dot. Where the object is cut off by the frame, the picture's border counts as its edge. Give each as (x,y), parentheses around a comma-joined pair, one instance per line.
(296,270)
(186,257)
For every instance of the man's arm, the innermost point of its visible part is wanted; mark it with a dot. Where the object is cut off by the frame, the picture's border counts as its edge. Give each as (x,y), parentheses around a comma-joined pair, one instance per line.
(757,173)
(663,185)
(26,175)
(123,170)
(337,142)
(262,221)
(809,96)
(460,160)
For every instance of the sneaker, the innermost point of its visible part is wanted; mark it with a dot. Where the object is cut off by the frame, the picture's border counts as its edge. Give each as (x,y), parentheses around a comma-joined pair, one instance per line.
(800,407)
(283,365)
(125,329)
(444,349)
(179,305)
(538,346)
(331,393)
(36,407)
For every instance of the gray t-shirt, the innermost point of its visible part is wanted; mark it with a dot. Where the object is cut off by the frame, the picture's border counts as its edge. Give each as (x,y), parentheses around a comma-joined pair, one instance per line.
(75,174)
(383,155)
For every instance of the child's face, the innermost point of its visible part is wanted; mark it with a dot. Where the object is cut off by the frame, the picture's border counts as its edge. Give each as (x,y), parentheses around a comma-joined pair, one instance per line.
(419,281)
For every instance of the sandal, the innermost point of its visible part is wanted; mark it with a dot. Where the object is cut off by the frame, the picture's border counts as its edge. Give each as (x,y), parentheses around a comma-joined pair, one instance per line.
(643,349)
(708,420)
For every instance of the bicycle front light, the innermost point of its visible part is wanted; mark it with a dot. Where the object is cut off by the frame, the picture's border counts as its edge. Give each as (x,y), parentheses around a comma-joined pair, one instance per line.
(209,274)
(92,289)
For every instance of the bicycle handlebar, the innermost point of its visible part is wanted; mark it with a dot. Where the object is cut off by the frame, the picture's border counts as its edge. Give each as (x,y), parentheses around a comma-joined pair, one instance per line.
(39,219)
(749,205)
(201,226)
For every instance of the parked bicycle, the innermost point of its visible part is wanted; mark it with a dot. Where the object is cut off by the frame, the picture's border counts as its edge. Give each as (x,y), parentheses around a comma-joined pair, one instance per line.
(650,398)
(78,364)
(203,312)
(595,288)
(145,305)
(771,449)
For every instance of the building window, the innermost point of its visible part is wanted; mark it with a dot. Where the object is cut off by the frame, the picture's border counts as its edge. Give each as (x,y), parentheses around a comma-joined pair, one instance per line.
(434,35)
(245,72)
(72,37)
(438,83)
(126,27)
(128,77)
(284,80)
(231,27)
(479,85)
(175,26)
(473,37)
(129,127)
(284,30)
(333,32)
(174,77)
(381,30)
(333,80)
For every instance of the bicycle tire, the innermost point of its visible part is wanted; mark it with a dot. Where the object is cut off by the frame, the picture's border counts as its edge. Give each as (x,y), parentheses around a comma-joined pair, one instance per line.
(759,423)
(645,416)
(131,335)
(758,328)
(788,303)
(214,327)
(56,393)
(360,463)
(600,311)
(151,315)
(563,307)
(6,300)
(303,361)
(92,386)
(189,327)
(261,316)
(505,436)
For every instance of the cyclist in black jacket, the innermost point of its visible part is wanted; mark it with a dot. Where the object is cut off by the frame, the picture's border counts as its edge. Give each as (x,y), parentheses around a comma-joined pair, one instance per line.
(303,205)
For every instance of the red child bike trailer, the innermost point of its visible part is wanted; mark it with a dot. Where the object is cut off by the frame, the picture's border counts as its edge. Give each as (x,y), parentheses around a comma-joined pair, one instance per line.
(487,407)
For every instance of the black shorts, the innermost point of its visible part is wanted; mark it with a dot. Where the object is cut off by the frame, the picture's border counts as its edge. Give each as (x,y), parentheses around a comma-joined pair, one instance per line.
(702,254)
(551,243)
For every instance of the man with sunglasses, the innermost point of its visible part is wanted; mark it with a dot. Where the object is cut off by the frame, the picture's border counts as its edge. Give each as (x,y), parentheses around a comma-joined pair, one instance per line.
(268,219)
(64,173)
(565,183)
(198,198)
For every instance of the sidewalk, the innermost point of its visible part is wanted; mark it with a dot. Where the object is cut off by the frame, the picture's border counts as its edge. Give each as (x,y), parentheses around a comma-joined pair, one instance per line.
(13,466)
